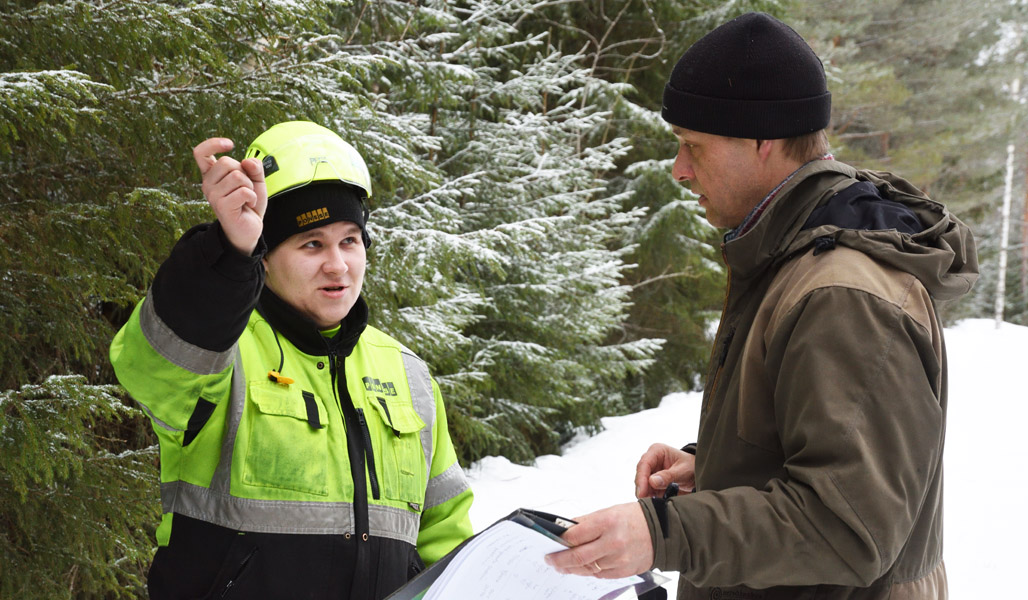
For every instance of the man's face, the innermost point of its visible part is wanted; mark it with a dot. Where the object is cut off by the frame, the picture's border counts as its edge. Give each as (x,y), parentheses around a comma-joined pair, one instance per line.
(725,172)
(319,272)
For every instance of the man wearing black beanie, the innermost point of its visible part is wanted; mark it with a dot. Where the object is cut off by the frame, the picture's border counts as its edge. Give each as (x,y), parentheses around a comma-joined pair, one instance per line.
(818,467)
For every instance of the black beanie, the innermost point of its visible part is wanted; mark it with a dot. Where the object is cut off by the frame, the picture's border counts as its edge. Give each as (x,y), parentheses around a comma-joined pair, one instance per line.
(310,207)
(753,77)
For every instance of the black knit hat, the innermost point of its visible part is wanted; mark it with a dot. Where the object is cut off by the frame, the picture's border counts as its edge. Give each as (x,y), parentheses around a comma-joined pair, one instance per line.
(310,207)
(753,77)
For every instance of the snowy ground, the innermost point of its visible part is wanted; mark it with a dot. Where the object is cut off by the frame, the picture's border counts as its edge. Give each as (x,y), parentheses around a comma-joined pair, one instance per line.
(986,516)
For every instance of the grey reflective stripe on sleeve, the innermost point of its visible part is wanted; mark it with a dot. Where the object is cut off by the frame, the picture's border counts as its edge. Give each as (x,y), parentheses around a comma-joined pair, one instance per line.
(282,516)
(176,350)
(446,485)
(156,421)
(222,479)
(420,384)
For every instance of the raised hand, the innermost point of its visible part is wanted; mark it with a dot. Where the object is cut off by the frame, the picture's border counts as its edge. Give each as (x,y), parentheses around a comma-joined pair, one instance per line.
(235,190)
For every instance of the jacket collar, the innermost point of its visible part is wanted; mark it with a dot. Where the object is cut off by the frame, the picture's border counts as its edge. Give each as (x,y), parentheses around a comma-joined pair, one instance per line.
(769,237)
(304,334)
(752,218)
(941,255)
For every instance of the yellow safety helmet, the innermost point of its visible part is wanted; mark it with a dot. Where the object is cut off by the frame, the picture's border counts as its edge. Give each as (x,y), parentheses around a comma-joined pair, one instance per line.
(297,153)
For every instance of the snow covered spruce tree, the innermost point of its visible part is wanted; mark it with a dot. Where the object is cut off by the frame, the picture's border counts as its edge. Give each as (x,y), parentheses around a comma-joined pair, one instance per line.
(677,285)
(497,251)
(100,104)
(503,270)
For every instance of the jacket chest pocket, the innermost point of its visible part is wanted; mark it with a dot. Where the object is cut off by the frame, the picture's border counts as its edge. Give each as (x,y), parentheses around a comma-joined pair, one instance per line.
(286,440)
(401,459)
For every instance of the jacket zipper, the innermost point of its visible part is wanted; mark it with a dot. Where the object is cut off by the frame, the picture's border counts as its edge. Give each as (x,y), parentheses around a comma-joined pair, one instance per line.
(720,357)
(239,571)
(354,443)
(385,407)
(369,452)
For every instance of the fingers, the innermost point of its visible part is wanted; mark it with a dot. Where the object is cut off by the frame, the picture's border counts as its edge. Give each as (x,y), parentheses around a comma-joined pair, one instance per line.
(586,531)
(659,481)
(642,478)
(255,171)
(238,199)
(611,543)
(204,152)
(682,471)
(227,183)
(655,460)
(583,558)
(660,466)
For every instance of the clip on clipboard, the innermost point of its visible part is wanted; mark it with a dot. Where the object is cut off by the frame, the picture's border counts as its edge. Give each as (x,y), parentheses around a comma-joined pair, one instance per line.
(505,561)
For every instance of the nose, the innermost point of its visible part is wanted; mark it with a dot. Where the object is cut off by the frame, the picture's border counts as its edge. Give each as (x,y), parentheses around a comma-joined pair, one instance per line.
(682,169)
(335,262)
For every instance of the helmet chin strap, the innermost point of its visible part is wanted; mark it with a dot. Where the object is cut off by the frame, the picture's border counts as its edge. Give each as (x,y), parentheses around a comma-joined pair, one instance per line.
(364,230)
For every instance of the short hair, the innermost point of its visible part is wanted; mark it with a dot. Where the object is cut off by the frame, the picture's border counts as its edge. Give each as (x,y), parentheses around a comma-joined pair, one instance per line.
(807,147)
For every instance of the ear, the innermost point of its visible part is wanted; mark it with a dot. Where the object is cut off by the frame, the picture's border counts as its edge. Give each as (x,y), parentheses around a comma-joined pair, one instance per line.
(766,147)
(264,261)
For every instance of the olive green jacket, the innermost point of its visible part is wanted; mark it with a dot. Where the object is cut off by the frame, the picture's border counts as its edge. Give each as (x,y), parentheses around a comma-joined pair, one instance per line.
(819,457)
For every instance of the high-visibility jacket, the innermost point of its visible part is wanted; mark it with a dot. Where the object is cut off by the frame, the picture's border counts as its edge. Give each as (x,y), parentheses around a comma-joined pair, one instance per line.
(338,480)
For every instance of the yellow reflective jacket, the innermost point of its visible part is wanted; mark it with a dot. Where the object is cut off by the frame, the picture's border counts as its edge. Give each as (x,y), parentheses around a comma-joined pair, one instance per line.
(337,440)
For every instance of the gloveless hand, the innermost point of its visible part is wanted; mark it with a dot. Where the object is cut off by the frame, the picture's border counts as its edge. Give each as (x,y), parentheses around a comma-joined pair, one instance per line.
(660,466)
(235,190)
(609,544)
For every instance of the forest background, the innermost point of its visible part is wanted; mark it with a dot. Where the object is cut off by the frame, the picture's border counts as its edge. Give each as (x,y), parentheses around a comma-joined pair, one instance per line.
(530,243)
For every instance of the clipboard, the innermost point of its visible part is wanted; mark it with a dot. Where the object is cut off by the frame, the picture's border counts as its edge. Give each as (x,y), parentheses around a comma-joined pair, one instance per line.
(546,524)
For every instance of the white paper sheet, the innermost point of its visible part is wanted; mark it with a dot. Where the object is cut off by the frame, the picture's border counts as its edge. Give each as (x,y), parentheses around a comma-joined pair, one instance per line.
(505,562)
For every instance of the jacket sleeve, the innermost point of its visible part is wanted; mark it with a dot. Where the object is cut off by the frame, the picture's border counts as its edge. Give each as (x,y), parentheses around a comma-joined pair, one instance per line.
(855,381)
(174,354)
(205,290)
(445,522)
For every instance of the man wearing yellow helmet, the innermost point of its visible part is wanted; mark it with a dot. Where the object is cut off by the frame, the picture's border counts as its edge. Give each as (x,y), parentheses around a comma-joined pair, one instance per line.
(304,453)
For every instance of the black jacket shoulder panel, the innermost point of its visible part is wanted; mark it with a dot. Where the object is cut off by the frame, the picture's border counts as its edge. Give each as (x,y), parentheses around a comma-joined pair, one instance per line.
(205,290)
(861,206)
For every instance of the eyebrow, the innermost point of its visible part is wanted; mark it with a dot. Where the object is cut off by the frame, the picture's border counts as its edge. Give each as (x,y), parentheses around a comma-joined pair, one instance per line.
(682,134)
(350,229)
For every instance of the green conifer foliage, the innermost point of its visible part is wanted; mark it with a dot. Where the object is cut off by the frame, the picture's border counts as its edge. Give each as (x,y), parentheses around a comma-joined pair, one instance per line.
(506,261)
(499,249)
(522,211)
(73,493)
(677,281)
(100,104)
(921,88)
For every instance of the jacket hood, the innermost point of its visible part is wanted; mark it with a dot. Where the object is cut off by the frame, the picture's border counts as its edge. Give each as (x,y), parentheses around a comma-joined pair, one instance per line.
(827,203)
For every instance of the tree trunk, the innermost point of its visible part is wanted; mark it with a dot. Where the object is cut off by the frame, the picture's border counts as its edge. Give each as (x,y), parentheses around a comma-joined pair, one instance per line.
(1024,240)
(1001,280)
